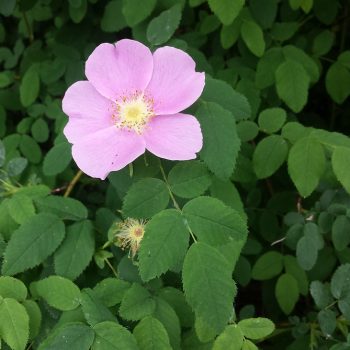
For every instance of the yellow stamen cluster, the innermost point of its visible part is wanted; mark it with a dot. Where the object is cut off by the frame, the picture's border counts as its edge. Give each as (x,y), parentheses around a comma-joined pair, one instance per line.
(133,112)
(130,234)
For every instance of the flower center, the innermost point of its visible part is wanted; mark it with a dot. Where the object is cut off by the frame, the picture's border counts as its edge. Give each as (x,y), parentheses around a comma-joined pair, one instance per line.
(133,112)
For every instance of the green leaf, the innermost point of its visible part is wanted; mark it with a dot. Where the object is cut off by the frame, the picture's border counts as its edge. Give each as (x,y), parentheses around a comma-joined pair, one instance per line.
(189,179)
(272,119)
(249,345)
(213,222)
(256,328)
(253,37)
(137,303)
(292,84)
(73,336)
(151,335)
(340,282)
(113,19)
(321,294)
(111,291)
(57,159)
(93,309)
(21,208)
(135,12)
(327,320)
(221,142)
(40,130)
(230,339)
(292,268)
(338,82)
(306,164)
(340,232)
(167,316)
(269,155)
(12,288)
(14,323)
(2,153)
(76,251)
(30,86)
(265,70)
(268,266)
(34,314)
(163,27)
(247,130)
(226,10)
(307,252)
(112,336)
(64,207)
(30,149)
(323,42)
(164,244)
(58,292)
(32,243)
(287,292)
(223,94)
(145,198)
(341,166)
(230,34)
(208,285)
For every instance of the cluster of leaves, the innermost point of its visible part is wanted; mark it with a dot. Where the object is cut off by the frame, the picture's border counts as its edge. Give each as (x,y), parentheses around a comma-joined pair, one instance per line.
(272,164)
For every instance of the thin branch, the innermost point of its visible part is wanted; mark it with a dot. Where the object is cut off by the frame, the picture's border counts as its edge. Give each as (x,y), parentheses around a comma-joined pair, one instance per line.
(73,183)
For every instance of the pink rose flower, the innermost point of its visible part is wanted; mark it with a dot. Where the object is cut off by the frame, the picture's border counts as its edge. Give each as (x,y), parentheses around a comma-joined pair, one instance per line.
(130,103)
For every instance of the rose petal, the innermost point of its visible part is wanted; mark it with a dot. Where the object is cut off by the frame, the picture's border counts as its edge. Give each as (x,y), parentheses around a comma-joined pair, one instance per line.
(175,85)
(82,100)
(119,69)
(174,137)
(107,150)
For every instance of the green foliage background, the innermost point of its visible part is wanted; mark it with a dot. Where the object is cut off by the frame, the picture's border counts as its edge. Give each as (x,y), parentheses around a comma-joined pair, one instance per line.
(247,247)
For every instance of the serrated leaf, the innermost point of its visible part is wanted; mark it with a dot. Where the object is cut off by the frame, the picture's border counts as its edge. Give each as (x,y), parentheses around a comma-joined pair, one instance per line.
(213,222)
(151,335)
(253,37)
(58,292)
(341,166)
(164,244)
(306,164)
(272,119)
(222,93)
(12,288)
(221,142)
(93,309)
(226,10)
(145,198)
(76,251)
(111,291)
(30,85)
(135,12)
(137,303)
(14,323)
(189,179)
(64,207)
(208,285)
(269,155)
(32,243)
(287,292)
(73,336)
(256,328)
(34,314)
(321,294)
(292,84)
(30,149)
(21,208)
(57,159)
(340,282)
(112,336)
(162,27)
(268,266)
(167,316)
(230,339)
